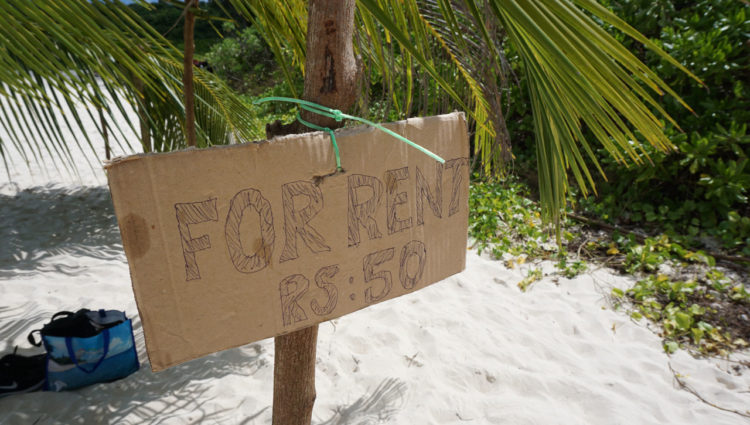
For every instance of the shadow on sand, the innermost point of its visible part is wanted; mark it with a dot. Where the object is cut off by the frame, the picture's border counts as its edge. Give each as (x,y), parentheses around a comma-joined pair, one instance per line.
(181,394)
(41,222)
(374,408)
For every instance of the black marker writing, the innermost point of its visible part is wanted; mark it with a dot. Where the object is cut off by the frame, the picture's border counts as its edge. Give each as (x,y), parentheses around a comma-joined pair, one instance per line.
(434,198)
(296,221)
(291,289)
(458,178)
(361,211)
(194,213)
(394,199)
(368,264)
(411,249)
(263,247)
(323,281)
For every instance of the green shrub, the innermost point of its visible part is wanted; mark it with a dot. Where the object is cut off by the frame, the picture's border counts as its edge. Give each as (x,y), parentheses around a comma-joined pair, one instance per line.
(697,313)
(701,189)
(242,58)
(502,219)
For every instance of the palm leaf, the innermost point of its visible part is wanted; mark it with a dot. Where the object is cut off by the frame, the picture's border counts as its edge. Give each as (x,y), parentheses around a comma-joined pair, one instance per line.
(57,56)
(580,75)
(430,55)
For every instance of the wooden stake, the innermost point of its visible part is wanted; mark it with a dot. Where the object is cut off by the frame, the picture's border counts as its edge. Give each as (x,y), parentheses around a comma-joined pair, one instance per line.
(294,377)
(330,80)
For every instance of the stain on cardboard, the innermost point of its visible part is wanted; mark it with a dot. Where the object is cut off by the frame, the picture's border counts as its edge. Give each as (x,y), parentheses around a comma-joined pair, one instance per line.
(135,235)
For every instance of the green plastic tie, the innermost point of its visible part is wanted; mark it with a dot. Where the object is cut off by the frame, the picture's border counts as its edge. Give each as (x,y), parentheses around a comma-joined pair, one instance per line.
(330,133)
(339,116)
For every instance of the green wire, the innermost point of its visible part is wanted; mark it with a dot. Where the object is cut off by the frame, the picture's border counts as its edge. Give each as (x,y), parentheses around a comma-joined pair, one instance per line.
(339,116)
(330,132)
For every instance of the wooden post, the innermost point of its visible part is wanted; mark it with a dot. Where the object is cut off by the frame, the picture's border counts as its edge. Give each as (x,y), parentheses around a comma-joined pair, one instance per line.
(187,75)
(331,75)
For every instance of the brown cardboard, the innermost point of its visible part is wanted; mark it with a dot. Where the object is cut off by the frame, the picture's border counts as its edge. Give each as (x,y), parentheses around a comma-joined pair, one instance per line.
(233,244)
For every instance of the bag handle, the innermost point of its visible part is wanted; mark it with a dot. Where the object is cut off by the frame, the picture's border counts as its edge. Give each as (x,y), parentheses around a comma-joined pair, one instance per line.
(33,341)
(69,345)
(31,338)
(61,313)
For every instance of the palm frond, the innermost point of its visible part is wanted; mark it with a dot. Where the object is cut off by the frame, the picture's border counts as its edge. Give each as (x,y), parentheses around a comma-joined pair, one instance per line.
(579,75)
(428,55)
(99,53)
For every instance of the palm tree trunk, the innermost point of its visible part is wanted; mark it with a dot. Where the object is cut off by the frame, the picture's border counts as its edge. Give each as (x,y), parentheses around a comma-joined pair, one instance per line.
(187,75)
(331,75)
(142,115)
(105,133)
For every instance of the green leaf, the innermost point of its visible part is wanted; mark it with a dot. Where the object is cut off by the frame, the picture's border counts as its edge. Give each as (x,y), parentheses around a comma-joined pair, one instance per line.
(697,334)
(683,320)
(697,310)
(63,62)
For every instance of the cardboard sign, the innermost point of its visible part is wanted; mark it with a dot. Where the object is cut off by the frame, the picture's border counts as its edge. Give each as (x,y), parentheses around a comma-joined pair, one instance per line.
(233,244)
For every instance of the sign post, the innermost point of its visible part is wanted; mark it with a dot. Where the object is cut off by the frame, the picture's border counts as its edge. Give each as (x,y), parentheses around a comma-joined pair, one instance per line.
(331,79)
(230,245)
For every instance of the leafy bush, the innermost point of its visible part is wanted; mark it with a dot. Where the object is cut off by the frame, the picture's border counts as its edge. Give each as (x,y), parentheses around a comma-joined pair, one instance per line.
(242,58)
(502,219)
(701,189)
(167,19)
(703,314)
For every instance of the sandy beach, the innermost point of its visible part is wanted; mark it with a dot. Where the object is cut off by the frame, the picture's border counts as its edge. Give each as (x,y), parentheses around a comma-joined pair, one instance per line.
(470,349)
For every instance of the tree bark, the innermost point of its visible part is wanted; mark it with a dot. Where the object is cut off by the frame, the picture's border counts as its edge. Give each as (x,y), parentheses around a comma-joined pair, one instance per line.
(105,133)
(187,75)
(143,116)
(330,80)
(332,71)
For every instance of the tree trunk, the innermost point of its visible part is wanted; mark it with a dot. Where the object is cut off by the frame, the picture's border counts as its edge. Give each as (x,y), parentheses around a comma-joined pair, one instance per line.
(331,71)
(187,75)
(105,133)
(143,116)
(330,80)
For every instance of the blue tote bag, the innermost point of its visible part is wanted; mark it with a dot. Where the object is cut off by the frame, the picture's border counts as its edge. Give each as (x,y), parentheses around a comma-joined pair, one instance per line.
(106,355)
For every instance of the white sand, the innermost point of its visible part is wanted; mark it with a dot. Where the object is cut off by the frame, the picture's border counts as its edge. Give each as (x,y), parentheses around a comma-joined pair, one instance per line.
(471,349)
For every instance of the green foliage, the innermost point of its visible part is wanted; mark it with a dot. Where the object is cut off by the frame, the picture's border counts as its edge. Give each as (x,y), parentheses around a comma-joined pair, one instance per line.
(701,189)
(91,57)
(268,112)
(690,312)
(648,255)
(506,223)
(442,55)
(167,19)
(693,303)
(242,58)
(502,219)
(570,269)
(532,276)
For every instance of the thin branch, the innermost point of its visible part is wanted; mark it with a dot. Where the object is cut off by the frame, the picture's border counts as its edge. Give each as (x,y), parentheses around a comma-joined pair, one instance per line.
(692,391)
(179,18)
